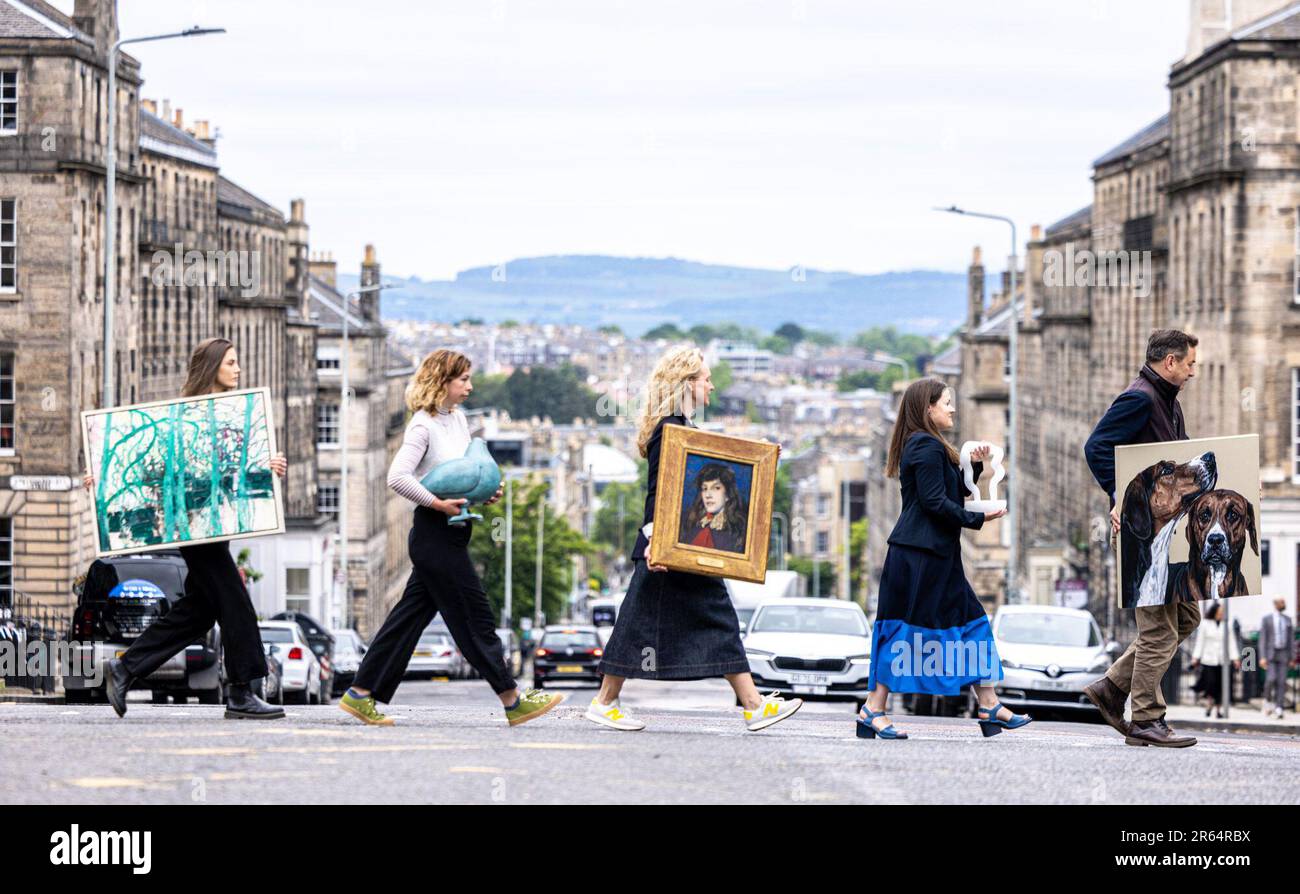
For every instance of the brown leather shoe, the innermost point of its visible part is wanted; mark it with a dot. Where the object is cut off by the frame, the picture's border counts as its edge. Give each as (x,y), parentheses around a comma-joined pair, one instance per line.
(1158,733)
(1109,700)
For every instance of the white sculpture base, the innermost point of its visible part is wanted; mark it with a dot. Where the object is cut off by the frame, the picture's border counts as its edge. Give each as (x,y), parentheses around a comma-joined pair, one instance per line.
(986,505)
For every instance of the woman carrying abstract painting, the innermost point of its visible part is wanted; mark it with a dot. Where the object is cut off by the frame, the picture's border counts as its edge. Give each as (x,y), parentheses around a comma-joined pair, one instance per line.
(214,589)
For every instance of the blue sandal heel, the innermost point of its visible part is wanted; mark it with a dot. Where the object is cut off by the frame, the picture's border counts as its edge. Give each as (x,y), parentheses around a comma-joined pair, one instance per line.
(867,731)
(992,726)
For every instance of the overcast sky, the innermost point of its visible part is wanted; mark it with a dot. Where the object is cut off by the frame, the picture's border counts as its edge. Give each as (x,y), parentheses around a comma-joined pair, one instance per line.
(765,134)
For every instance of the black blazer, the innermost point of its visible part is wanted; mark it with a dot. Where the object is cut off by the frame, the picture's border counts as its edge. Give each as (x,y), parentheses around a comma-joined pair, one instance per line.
(933,491)
(652,470)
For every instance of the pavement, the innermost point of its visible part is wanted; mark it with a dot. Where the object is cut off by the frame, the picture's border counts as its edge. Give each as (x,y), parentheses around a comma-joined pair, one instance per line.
(452,745)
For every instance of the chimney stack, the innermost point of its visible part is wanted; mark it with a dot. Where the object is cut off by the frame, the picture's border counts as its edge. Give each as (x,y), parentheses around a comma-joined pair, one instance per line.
(370,277)
(296,257)
(975,291)
(322,267)
(150,106)
(166,110)
(180,119)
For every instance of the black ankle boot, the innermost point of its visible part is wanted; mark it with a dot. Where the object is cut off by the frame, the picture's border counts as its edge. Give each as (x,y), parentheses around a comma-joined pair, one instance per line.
(241,703)
(117,682)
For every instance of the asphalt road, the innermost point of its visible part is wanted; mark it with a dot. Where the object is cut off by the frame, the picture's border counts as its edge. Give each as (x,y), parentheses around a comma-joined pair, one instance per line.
(452,745)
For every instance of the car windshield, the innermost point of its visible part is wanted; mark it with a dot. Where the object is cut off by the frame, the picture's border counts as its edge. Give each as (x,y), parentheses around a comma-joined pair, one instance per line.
(434,639)
(809,619)
(277,635)
(1048,629)
(570,641)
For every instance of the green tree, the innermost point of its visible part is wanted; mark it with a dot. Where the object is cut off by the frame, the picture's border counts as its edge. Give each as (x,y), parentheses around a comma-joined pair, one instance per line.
(560,543)
(607,527)
(791,332)
(722,376)
(667,331)
(829,579)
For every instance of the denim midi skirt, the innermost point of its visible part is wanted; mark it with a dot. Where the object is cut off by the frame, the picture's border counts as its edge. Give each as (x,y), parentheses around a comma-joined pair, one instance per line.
(674,626)
(931,633)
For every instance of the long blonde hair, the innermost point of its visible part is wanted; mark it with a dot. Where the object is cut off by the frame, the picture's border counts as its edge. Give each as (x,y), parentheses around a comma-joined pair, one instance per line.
(205,362)
(428,386)
(668,389)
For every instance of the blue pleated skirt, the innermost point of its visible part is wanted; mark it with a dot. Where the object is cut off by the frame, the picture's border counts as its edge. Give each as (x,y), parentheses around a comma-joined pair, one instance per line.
(931,634)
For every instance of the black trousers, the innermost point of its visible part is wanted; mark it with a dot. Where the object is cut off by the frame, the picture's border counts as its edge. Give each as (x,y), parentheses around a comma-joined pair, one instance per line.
(443,580)
(214,592)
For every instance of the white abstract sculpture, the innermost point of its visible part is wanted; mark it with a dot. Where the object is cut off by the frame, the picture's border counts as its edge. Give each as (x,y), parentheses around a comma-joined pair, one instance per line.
(975,503)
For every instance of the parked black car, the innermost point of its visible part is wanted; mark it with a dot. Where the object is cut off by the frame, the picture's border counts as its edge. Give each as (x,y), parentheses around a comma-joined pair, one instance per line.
(120,597)
(567,654)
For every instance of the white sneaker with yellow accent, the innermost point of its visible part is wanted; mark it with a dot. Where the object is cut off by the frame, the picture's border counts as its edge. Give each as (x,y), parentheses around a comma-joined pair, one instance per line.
(773,710)
(611,715)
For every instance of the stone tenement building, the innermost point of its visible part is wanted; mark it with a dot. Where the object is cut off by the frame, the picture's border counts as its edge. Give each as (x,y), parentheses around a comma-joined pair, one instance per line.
(53,126)
(377,377)
(171,197)
(1212,191)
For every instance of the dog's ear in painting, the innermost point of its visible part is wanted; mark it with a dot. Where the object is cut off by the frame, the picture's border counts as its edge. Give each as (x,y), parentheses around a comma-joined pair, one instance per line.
(1250,526)
(1134,535)
(1136,512)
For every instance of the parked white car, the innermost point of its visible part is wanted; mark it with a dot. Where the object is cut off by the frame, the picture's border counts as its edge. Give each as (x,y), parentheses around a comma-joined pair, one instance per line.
(1049,654)
(813,648)
(300,668)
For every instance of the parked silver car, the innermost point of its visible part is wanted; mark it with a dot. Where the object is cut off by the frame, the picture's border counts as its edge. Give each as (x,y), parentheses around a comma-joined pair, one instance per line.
(813,648)
(436,655)
(1049,654)
(300,677)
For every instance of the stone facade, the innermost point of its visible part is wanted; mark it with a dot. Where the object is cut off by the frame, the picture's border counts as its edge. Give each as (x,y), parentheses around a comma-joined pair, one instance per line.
(1211,191)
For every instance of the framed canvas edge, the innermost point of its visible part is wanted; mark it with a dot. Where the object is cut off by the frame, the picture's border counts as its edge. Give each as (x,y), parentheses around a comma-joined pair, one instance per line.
(276,485)
(763,456)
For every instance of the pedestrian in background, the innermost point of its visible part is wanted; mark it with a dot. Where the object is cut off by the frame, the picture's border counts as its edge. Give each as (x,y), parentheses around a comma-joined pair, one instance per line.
(1276,652)
(1207,655)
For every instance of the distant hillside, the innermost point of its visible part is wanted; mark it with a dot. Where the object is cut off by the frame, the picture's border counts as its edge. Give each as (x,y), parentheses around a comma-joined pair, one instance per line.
(637,294)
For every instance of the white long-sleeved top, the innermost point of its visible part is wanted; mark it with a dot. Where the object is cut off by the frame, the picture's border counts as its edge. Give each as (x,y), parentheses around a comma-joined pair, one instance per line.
(430,439)
(1209,644)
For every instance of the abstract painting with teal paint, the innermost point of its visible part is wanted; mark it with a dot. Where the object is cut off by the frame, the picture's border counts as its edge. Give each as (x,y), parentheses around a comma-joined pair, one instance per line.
(190,470)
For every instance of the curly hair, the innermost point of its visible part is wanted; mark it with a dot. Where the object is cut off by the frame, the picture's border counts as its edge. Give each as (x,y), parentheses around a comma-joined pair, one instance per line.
(667,390)
(428,386)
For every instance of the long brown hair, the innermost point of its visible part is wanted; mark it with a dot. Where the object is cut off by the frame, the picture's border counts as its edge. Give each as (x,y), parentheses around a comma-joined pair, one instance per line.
(204,364)
(428,386)
(914,416)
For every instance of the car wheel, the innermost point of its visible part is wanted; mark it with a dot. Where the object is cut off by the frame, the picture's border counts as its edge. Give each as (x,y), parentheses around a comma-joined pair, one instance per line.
(297,698)
(158,697)
(79,696)
(858,705)
(327,693)
(211,696)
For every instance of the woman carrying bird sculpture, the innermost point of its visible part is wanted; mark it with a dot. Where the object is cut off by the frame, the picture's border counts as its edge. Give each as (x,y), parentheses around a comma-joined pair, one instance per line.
(443,579)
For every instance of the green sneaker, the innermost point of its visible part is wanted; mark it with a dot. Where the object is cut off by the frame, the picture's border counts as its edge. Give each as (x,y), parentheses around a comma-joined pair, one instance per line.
(532,704)
(364,709)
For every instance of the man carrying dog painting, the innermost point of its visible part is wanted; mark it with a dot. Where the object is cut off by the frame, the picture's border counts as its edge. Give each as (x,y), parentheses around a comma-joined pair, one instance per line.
(1146,412)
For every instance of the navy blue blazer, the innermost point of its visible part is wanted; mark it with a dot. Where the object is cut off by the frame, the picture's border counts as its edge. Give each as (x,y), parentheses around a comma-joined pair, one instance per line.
(933,491)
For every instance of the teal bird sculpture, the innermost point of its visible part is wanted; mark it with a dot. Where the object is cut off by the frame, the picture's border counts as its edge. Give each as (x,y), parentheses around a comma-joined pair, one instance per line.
(475,476)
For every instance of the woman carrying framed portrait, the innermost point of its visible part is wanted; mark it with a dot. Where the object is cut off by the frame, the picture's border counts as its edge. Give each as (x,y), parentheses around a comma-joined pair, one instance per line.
(674,625)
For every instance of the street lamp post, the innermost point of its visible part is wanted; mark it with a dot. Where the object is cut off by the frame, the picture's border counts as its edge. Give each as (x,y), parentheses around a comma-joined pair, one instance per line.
(108,397)
(1013,495)
(344,405)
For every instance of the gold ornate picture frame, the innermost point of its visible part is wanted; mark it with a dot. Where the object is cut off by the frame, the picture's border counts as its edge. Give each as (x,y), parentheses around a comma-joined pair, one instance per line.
(713,505)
